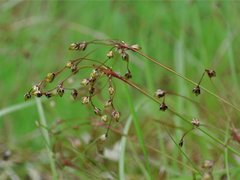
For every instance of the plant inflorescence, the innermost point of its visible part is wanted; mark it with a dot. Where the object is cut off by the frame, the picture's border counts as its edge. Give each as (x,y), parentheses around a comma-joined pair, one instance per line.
(100,69)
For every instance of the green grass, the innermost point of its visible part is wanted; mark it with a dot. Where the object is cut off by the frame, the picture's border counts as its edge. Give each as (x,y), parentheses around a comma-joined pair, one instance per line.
(187,36)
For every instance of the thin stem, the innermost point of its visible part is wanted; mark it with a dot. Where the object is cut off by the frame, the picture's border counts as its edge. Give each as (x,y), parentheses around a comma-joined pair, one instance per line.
(189,80)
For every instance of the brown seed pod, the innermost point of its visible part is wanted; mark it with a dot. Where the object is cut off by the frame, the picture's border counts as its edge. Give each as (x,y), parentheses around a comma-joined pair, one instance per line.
(27,96)
(163,106)
(196,90)
(211,73)
(160,93)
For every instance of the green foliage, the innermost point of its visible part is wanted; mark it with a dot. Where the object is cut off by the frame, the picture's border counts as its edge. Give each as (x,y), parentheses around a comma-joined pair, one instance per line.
(188,36)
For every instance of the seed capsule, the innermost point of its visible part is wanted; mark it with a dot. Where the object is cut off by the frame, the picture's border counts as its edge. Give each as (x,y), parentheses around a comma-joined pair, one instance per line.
(160,93)
(111,90)
(85,82)
(69,64)
(110,54)
(180,143)
(74,94)
(60,90)
(74,69)
(125,56)
(27,96)
(115,115)
(128,75)
(48,94)
(97,111)
(135,47)
(104,118)
(37,93)
(210,73)
(196,90)
(85,100)
(163,106)
(50,77)
(78,46)
(195,122)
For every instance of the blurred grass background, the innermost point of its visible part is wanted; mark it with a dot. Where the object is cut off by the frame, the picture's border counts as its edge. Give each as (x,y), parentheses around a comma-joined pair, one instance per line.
(188,36)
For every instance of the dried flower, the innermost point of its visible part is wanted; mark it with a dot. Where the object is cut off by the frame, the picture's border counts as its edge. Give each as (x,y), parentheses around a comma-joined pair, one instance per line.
(78,46)
(69,64)
(128,75)
(85,100)
(208,164)
(50,77)
(37,93)
(6,155)
(211,73)
(103,138)
(125,56)
(48,94)
(135,47)
(27,96)
(110,54)
(74,93)
(195,122)
(160,93)
(60,90)
(115,115)
(91,90)
(163,106)
(97,111)
(111,90)
(85,82)
(104,118)
(181,143)
(196,90)
(74,69)
(108,103)
(95,73)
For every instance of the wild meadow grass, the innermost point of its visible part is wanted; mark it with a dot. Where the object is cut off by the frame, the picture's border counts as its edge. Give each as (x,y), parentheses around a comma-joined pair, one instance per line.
(162,122)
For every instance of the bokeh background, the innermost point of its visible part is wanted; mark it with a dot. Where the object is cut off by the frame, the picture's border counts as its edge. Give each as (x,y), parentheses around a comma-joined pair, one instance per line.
(188,36)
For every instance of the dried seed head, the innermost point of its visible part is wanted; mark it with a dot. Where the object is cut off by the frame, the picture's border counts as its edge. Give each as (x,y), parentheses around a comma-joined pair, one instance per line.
(208,164)
(103,138)
(48,94)
(211,73)
(91,90)
(160,93)
(196,90)
(78,46)
(74,69)
(6,155)
(135,47)
(104,118)
(97,111)
(95,73)
(69,64)
(125,56)
(163,106)
(195,122)
(85,82)
(37,93)
(85,100)
(181,143)
(128,75)
(50,77)
(110,54)
(115,115)
(27,96)
(111,90)
(108,103)
(60,90)
(74,94)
